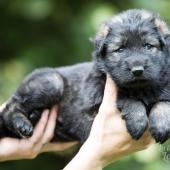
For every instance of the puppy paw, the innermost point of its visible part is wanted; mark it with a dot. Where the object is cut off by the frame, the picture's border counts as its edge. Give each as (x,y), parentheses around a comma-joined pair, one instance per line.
(134,113)
(136,127)
(159,122)
(160,133)
(16,122)
(34,116)
(22,126)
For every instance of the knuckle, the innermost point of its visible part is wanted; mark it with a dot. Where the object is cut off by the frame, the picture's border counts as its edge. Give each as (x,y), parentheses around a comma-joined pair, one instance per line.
(34,142)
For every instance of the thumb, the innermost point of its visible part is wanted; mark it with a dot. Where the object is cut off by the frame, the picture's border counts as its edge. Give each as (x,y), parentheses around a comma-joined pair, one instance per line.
(110,96)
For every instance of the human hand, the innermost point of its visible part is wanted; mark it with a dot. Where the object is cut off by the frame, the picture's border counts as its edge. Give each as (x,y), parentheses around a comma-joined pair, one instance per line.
(109,139)
(14,149)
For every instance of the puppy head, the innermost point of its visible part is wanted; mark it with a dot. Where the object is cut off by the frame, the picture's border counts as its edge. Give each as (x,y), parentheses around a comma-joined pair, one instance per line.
(132,48)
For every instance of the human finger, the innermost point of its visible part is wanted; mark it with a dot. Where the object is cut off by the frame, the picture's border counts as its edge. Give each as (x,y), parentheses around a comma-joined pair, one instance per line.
(40,127)
(110,96)
(51,124)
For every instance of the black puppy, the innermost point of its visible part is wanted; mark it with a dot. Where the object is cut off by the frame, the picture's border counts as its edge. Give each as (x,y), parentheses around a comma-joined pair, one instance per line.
(133,47)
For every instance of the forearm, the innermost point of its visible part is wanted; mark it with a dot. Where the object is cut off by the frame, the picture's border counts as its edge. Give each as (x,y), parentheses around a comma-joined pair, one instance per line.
(85,159)
(82,163)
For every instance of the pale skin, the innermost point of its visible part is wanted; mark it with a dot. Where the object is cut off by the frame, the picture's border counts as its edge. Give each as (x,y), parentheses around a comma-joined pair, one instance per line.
(14,149)
(108,140)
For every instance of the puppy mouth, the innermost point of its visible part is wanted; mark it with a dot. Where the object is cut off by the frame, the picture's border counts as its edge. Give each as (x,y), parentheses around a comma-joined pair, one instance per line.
(137,83)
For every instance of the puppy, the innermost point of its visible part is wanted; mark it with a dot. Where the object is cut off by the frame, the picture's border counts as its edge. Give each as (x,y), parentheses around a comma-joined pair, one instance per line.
(133,48)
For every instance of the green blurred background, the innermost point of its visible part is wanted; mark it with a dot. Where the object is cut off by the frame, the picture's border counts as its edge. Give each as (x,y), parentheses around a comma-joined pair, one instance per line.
(38,33)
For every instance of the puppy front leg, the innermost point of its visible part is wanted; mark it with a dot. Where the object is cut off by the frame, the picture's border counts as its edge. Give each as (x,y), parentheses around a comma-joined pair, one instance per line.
(134,113)
(159,121)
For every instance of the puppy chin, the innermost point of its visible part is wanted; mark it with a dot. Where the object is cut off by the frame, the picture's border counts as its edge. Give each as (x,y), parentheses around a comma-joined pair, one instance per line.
(137,83)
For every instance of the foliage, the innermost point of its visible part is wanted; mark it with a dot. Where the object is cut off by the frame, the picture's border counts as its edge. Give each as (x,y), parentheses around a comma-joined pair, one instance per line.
(41,33)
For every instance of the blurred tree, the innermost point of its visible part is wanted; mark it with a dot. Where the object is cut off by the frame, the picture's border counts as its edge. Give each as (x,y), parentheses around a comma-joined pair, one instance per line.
(37,33)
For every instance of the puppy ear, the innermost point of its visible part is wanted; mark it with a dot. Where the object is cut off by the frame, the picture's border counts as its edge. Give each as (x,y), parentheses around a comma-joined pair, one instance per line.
(164,31)
(162,26)
(100,37)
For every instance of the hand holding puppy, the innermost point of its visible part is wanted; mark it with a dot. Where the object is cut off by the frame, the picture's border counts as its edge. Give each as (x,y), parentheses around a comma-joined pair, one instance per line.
(109,139)
(14,149)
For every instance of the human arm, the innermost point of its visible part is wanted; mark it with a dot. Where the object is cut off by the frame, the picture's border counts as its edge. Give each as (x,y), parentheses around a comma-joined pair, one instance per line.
(109,139)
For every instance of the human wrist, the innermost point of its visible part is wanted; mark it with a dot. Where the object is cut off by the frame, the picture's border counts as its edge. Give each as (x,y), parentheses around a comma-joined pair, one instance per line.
(91,153)
(87,158)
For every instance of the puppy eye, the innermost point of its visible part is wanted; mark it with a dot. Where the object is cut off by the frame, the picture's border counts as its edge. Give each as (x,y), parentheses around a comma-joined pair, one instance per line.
(120,50)
(148,46)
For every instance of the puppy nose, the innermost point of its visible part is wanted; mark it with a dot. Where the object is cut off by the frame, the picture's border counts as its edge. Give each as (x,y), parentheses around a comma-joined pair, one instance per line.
(137,71)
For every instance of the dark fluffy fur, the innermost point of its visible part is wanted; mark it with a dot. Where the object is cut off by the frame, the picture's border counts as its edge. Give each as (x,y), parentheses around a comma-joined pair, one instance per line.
(133,47)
